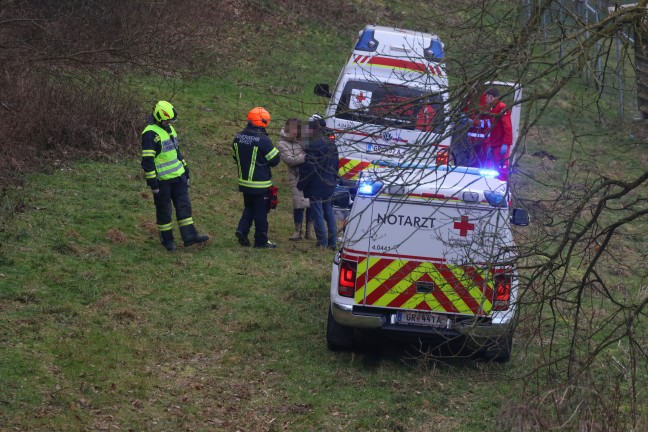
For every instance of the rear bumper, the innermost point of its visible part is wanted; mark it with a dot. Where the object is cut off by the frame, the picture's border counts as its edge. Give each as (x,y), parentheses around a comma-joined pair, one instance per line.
(381,319)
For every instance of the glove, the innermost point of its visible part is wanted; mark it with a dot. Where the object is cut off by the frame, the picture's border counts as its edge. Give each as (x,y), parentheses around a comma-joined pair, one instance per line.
(503,150)
(187,171)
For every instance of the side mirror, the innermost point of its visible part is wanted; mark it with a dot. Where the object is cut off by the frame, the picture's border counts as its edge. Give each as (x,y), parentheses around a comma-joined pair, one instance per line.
(341,199)
(322,90)
(520,217)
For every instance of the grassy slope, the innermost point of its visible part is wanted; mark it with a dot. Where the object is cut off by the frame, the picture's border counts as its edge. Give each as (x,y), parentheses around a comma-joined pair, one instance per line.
(101,328)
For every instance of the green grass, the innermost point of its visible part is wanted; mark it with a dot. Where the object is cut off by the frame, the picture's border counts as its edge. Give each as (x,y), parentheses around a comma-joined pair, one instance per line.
(101,328)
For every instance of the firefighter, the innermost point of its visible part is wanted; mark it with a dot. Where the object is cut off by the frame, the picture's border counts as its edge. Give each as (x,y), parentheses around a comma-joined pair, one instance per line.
(167,175)
(255,154)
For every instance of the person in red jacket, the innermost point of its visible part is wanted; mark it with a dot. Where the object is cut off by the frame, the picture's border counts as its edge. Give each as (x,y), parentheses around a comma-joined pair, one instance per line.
(497,144)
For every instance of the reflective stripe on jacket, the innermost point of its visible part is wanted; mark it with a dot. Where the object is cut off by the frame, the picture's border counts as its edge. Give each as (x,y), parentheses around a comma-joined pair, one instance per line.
(254,154)
(167,163)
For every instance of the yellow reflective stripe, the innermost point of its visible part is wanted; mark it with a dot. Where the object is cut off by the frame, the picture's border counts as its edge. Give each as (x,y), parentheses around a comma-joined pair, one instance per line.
(184,163)
(348,167)
(384,274)
(238,161)
(473,289)
(255,184)
(165,227)
(446,288)
(253,163)
(272,153)
(148,153)
(399,287)
(185,222)
(150,174)
(363,268)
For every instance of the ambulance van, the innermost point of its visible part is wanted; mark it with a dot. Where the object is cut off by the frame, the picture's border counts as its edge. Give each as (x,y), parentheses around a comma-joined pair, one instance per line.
(389,100)
(427,252)
(391,103)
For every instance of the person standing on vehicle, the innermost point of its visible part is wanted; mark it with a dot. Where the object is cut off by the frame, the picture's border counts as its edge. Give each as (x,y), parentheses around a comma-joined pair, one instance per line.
(317,178)
(255,154)
(497,144)
(167,174)
(292,154)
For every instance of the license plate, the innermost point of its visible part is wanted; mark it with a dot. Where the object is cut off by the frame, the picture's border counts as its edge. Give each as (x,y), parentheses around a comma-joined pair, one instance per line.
(421,319)
(382,149)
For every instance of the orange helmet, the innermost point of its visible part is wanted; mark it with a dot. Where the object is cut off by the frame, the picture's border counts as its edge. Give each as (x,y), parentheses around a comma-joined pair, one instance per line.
(259,116)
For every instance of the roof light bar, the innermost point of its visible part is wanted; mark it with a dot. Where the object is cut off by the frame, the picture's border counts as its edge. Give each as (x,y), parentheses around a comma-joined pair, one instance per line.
(488,173)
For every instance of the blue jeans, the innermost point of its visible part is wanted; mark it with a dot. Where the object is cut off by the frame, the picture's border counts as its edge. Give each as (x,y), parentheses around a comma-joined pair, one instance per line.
(322,211)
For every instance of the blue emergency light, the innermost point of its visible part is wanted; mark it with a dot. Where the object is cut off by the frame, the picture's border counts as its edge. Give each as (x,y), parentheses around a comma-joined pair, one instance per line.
(495,199)
(367,41)
(434,51)
(488,173)
(369,188)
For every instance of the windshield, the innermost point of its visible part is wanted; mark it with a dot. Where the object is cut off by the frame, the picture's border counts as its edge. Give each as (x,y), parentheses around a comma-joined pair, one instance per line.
(391,105)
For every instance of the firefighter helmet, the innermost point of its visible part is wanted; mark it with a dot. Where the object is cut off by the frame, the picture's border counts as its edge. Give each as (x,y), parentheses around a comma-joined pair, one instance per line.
(259,116)
(164,111)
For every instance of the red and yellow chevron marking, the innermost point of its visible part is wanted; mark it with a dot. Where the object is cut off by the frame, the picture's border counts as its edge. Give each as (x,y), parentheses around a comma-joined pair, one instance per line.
(392,283)
(350,168)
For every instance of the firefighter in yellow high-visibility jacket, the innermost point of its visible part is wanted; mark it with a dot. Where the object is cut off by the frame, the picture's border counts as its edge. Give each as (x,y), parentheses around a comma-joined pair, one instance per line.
(167,175)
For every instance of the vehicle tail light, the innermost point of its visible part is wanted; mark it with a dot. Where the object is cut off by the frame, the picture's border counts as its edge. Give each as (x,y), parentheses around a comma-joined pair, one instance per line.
(502,298)
(346,283)
(443,157)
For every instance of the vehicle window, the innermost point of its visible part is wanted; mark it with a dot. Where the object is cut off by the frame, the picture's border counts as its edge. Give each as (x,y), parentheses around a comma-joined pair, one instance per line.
(391,105)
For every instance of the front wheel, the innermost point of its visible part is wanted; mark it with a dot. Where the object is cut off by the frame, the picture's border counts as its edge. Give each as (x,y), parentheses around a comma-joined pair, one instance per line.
(338,337)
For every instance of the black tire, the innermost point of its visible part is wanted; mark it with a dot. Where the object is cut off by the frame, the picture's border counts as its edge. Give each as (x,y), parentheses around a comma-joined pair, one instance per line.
(338,337)
(499,349)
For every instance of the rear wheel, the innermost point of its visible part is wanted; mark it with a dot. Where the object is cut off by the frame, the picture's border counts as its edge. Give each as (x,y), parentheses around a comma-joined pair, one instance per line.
(499,349)
(338,337)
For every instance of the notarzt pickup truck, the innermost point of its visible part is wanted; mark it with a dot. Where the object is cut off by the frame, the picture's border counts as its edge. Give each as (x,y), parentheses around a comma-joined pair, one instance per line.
(427,252)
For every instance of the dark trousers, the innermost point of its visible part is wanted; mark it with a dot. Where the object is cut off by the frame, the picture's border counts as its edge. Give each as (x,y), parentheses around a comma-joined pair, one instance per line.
(255,210)
(176,192)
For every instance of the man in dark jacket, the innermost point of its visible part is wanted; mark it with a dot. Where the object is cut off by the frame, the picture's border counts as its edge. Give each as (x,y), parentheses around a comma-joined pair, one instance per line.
(317,178)
(255,154)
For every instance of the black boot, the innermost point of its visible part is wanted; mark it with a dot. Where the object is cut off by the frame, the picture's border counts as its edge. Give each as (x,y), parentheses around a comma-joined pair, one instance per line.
(190,236)
(166,238)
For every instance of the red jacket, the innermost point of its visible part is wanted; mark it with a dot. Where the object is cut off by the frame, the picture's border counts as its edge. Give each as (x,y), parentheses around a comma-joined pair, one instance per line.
(502,130)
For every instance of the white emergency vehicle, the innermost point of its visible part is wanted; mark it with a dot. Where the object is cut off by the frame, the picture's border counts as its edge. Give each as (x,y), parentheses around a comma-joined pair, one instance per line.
(427,252)
(391,102)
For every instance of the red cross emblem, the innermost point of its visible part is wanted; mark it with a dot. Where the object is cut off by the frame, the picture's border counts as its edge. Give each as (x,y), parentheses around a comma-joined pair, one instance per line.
(361,97)
(464,226)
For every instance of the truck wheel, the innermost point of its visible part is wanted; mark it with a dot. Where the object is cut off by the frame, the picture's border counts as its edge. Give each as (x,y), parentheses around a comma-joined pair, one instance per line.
(499,349)
(338,337)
